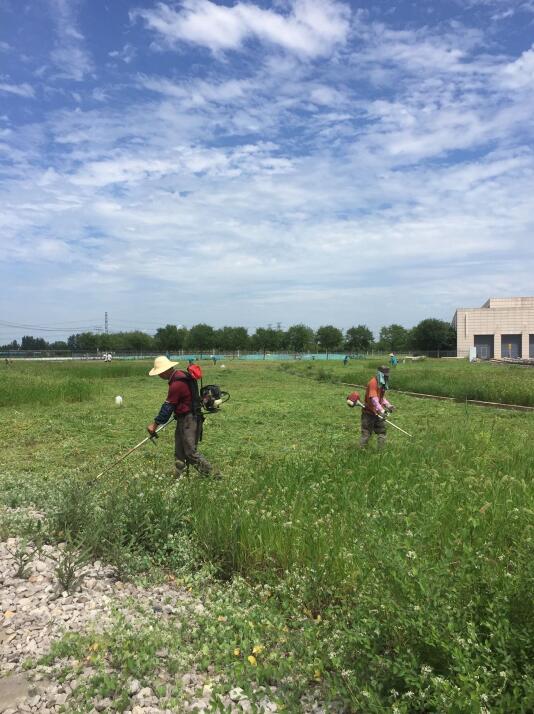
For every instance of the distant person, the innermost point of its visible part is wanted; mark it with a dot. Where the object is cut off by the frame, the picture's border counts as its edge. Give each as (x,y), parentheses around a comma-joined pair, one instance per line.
(214,360)
(182,403)
(393,359)
(376,408)
(345,360)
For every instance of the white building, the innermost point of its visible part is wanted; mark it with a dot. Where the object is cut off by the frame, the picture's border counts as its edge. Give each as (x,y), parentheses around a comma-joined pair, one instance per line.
(502,327)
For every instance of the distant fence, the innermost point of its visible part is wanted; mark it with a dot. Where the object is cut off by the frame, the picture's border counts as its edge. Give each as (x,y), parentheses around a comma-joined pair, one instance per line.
(61,355)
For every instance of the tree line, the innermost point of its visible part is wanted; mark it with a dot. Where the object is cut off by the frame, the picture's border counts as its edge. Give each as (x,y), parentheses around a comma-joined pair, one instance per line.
(428,336)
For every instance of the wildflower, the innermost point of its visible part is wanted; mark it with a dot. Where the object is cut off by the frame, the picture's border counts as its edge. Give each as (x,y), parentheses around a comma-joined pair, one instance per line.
(411,555)
(484,698)
(258,649)
(425,669)
(365,693)
(252,660)
(221,618)
(237,652)
(317,675)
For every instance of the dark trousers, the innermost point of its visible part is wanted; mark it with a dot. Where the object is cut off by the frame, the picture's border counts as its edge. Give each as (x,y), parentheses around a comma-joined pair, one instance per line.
(185,446)
(372,424)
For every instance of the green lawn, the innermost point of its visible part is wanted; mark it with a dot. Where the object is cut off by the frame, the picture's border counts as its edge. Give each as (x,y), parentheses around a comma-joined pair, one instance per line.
(396,581)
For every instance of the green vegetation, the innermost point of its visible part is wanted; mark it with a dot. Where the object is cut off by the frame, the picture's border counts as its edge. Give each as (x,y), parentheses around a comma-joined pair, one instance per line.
(396,581)
(50,383)
(429,335)
(507,384)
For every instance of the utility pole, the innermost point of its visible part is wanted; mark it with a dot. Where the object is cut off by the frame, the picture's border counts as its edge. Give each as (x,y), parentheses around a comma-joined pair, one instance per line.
(106,323)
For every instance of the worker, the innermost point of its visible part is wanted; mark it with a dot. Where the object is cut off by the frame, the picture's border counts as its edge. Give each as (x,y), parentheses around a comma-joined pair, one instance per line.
(345,360)
(183,402)
(393,360)
(376,408)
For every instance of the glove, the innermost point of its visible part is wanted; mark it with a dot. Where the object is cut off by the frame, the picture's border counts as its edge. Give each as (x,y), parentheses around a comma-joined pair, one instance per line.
(151,428)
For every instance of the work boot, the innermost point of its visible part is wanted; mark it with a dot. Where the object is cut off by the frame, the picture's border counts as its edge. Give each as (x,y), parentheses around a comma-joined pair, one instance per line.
(180,468)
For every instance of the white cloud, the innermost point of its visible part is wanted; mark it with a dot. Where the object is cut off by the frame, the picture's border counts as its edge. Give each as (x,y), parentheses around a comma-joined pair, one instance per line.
(21,90)
(69,55)
(288,183)
(520,73)
(312,29)
(126,54)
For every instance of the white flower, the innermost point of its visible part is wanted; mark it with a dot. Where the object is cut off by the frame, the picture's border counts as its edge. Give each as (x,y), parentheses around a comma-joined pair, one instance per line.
(411,555)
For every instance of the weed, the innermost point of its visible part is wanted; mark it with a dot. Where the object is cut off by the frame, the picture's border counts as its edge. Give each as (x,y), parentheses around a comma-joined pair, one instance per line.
(23,555)
(70,562)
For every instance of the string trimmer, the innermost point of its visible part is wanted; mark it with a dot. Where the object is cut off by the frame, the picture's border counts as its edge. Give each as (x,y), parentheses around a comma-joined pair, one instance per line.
(353,400)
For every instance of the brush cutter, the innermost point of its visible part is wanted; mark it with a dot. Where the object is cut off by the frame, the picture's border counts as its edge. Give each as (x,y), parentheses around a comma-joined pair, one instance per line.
(353,400)
(151,438)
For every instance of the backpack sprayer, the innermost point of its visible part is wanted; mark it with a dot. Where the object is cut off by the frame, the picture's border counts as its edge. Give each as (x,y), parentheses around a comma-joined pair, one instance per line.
(353,400)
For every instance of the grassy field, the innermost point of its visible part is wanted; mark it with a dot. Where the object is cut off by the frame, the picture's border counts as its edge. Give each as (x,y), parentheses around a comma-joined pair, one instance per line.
(508,384)
(397,581)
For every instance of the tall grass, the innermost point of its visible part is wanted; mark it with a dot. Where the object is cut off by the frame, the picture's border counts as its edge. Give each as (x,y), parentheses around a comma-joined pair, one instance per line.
(510,384)
(46,384)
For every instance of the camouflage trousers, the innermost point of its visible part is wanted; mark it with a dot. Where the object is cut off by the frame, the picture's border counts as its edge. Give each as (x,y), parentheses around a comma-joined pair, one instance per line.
(185,446)
(372,424)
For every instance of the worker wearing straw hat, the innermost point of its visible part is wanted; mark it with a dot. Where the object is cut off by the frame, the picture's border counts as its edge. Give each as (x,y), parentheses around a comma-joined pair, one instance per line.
(376,408)
(180,402)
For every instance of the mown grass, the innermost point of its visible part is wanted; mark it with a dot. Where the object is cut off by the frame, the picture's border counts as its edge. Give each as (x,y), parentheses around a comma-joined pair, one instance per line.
(509,384)
(394,581)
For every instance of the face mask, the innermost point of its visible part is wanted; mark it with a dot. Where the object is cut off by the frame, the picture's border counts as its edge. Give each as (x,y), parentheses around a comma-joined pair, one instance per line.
(382,380)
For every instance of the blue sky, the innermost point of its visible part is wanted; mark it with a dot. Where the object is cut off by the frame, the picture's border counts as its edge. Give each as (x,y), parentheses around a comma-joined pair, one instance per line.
(314,161)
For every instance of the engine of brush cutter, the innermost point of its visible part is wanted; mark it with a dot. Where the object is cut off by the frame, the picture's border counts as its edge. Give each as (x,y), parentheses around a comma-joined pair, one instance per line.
(212,396)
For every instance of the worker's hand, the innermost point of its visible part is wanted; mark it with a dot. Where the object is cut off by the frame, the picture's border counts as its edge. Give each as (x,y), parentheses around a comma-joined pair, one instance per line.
(151,428)
(390,409)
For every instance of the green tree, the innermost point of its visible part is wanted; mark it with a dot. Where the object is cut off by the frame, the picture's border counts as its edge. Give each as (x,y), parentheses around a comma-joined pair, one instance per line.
(329,338)
(393,338)
(58,345)
(300,337)
(266,339)
(87,341)
(72,342)
(170,337)
(358,339)
(201,337)
(33,343)
(431,335)
(232,338)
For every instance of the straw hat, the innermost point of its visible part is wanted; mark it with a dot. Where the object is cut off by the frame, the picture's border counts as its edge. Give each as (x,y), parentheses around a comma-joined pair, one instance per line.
(161,364)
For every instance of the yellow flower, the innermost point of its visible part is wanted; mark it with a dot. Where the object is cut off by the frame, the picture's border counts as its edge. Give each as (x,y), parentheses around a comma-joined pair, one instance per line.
(318,618)
(257,649)
(221,618)
(252,660)
(237,651)
(95,646)
(317,675)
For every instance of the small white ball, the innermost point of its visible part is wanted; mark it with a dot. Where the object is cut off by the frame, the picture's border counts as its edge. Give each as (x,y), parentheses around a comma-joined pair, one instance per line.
(223,366)
(118,401)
